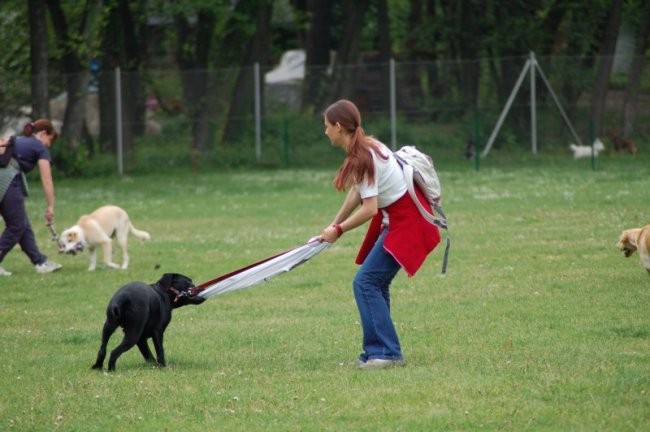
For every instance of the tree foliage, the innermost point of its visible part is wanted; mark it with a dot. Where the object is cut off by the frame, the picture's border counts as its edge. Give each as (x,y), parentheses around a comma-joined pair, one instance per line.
(14,57)
(214,43)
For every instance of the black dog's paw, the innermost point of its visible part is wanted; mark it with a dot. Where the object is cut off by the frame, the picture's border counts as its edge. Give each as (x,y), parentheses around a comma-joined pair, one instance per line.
(98,366)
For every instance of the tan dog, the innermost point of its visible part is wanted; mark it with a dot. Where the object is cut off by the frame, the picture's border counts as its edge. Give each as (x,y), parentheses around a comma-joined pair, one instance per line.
(636,239)
(96,229)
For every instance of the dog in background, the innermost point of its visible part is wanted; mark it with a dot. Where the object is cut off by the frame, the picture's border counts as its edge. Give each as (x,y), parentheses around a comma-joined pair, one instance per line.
(144,311)
(623,144)
(97,229)
(636,239)
(585,151)
(469,152)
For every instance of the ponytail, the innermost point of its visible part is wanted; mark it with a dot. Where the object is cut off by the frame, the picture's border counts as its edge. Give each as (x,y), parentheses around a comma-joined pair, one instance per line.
(32,128)
(28,129)
(358,165)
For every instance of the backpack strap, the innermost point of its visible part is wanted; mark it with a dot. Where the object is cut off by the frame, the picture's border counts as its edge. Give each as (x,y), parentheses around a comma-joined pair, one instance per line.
(445,258)
(408,177)
(440,222)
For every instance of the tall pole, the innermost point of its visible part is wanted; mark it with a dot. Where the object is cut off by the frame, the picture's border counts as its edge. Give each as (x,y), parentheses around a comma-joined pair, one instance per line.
(258,114)
(592,139)
(533,104)
(477,142)
(118,121)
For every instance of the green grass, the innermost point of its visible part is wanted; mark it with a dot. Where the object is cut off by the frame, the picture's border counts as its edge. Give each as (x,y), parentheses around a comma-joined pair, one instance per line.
(540,323)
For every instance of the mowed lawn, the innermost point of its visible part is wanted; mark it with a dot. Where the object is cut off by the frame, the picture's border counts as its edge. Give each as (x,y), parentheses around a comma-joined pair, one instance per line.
(540,323)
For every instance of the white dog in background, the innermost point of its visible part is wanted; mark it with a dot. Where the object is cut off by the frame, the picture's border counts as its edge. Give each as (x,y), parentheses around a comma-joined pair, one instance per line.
(585,151)
(96,229)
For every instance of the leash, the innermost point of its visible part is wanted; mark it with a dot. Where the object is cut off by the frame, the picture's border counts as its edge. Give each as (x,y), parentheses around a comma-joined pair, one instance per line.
(55,236)
(260,271)
(201,287)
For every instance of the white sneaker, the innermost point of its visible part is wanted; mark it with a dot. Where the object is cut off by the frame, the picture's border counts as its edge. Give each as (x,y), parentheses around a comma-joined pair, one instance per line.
(48,267)
(381,364)
(4,272)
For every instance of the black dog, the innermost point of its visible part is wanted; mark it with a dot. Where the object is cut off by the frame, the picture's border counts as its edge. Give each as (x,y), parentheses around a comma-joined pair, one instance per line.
(144,311)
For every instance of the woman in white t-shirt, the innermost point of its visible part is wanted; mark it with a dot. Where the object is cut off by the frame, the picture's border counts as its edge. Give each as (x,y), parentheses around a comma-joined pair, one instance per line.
(398,235)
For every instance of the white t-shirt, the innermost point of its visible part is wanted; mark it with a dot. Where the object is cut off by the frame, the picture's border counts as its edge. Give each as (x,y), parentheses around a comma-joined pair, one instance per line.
(389,185)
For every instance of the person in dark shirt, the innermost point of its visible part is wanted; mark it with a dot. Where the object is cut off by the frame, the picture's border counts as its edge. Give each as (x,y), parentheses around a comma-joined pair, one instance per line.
(31,150)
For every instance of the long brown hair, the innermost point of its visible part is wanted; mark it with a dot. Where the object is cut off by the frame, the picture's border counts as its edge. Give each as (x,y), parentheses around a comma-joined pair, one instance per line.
(39,125)
(358,164)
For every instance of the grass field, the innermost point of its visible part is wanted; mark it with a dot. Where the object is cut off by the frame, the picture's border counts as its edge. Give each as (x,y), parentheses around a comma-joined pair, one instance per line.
(540,323)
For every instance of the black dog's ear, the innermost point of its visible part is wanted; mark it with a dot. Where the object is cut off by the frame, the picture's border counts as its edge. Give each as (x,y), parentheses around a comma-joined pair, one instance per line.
(176,280)
(182,282)
(166,280)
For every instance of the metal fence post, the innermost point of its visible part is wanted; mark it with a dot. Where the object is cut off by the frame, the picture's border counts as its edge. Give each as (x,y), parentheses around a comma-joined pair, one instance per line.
(258,114)
(118,122)
(477,141)
(592,140)
(533,104)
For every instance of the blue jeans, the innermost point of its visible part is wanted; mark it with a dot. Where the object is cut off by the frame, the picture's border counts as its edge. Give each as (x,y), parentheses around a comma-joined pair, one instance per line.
(371,292)
(17,228)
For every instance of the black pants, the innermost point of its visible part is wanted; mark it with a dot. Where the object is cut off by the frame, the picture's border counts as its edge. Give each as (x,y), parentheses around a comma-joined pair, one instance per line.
(17,227)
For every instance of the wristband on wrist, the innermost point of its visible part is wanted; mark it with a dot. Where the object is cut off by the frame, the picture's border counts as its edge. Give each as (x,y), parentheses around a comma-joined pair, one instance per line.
(339,230)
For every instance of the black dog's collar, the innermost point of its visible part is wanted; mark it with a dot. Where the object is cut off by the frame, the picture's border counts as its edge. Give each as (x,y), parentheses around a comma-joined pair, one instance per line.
(177,294)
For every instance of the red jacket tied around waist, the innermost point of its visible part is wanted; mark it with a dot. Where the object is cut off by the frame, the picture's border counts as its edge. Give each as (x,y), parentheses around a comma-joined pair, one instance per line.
(410,237)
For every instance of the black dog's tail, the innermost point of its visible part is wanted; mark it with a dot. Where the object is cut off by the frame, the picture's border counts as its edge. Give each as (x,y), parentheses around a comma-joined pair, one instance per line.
(115,310)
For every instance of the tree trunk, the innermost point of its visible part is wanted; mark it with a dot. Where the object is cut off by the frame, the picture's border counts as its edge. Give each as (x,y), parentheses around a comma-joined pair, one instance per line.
(107,107)
(385,52)
(76,73)
(634,77)
(107,98)
(38,58)
(348,53)
(411,90)
(193,64)
(604,70)
(134,109)
(122,43)
(242,99)
(319,43)
(468,55)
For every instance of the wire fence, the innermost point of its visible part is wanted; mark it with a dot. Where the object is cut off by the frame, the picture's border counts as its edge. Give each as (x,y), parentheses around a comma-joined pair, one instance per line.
(273,115)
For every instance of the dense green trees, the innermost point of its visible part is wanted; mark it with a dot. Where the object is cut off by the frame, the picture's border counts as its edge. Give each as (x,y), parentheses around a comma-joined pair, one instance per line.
(53,42)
